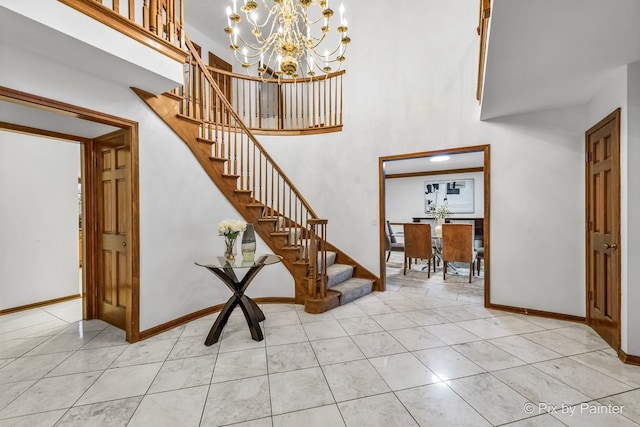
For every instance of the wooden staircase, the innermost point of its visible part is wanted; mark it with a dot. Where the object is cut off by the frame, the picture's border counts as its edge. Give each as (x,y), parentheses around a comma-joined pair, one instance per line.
(202,117)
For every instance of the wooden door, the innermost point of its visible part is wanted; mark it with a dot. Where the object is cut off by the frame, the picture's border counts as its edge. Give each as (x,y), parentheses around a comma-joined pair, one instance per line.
(603,228)
(113,224)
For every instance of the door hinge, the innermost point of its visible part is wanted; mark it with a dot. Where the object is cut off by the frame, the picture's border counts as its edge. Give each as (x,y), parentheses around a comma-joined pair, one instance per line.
(588,157)
(590,295)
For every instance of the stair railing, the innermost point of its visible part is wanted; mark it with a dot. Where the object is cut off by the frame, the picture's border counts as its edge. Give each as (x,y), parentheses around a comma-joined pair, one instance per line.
(245,159)
(318,252)
(304,106)
(483,31)
(140,18)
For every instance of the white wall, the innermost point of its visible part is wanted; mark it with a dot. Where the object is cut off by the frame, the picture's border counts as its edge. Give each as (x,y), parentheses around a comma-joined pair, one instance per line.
(404,197)
(418,95)
(403,94)
(631,230)
(38,219)
(179,205)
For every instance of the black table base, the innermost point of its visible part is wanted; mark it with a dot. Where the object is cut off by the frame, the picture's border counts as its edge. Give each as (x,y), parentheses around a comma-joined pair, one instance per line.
(250,309)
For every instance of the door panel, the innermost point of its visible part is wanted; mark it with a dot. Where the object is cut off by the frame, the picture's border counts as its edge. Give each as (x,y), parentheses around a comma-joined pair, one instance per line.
(114,213)
(603,228)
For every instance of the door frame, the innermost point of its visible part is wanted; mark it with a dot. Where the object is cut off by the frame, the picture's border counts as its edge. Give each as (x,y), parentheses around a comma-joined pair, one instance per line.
(616,117)
(487,205)
(89,180)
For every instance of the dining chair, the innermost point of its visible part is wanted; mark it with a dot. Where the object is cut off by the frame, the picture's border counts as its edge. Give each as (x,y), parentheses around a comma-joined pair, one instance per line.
(417,244)
(391,243)
(457,245)
(479,258)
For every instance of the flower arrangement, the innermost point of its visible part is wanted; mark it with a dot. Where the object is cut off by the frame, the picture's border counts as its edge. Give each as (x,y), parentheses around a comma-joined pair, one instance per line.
(440,212)
(230,229)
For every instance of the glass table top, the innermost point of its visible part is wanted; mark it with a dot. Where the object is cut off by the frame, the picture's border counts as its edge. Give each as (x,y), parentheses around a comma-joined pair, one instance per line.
(238,262)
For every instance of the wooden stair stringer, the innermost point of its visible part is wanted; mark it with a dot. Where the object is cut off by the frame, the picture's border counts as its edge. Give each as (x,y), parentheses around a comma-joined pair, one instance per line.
(167,108)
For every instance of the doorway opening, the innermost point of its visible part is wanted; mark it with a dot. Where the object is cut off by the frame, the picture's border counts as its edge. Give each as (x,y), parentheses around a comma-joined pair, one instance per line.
(413,185)
(57,120)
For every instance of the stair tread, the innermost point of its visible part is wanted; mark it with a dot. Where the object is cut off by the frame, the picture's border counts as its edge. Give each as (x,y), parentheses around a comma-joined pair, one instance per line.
(353,288)
(217,159)
(352,282)
(338,273)
(174,96)
(206,141)
(190,119)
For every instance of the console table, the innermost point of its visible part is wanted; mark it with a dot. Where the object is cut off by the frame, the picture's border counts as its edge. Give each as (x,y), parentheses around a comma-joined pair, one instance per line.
(225,270)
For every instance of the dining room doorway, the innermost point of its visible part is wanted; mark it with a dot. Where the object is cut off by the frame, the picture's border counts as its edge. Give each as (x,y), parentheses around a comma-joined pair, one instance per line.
(461,177)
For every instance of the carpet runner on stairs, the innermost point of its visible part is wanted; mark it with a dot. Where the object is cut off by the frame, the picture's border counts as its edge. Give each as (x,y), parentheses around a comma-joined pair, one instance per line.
(340,279)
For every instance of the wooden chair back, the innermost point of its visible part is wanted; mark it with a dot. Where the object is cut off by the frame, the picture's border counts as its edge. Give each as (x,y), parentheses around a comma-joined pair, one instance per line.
(457,242)
(417,241)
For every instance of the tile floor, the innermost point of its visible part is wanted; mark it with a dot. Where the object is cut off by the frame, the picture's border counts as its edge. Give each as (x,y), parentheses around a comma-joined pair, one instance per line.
(423,353)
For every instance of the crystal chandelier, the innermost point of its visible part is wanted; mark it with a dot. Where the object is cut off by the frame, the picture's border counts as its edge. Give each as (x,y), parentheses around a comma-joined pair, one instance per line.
(286,42)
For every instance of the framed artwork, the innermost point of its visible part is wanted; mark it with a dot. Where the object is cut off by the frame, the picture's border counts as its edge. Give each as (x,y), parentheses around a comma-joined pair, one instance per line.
(458,194)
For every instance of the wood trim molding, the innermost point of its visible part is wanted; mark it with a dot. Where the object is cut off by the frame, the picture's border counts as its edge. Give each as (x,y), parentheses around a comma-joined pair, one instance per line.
(486,169)
(431,173)
(164,327)
(39,304)
(276,300)
(297,132)
(88,159)
(127,27)
(487,225)
(35,101)
(534,312)
(42,132)
(629,359)
(441,152)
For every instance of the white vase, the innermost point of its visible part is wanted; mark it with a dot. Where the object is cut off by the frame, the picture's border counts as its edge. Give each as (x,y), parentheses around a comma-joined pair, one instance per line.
(439,223)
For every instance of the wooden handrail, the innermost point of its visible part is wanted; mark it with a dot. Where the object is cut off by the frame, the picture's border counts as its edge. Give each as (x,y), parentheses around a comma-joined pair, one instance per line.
(220,97)
(483,29)
(277,106)
(249,165)
(159,24)
(276,80)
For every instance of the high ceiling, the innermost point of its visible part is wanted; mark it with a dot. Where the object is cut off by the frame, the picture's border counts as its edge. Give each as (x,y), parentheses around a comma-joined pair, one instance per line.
(542,54)
(547,54)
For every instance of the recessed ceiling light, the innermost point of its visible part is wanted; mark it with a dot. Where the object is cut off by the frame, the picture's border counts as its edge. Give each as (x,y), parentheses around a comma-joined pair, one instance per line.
(439,158)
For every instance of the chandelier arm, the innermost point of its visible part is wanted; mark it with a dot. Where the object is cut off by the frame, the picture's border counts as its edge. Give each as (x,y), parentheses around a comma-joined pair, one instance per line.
(290,49)
(248,44)
(266,20)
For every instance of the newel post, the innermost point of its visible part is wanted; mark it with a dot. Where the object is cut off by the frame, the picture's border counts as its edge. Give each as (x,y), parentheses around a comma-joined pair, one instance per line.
(318,258)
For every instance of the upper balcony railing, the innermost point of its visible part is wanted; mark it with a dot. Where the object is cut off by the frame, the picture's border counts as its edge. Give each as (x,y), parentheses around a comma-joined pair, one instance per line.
(284,107)
(483,32)
(156,23)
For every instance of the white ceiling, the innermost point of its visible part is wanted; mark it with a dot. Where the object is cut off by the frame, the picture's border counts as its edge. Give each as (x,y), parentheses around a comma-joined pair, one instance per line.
(541,54)
(424,164)
(545,54)
(16,30)
(52,121)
